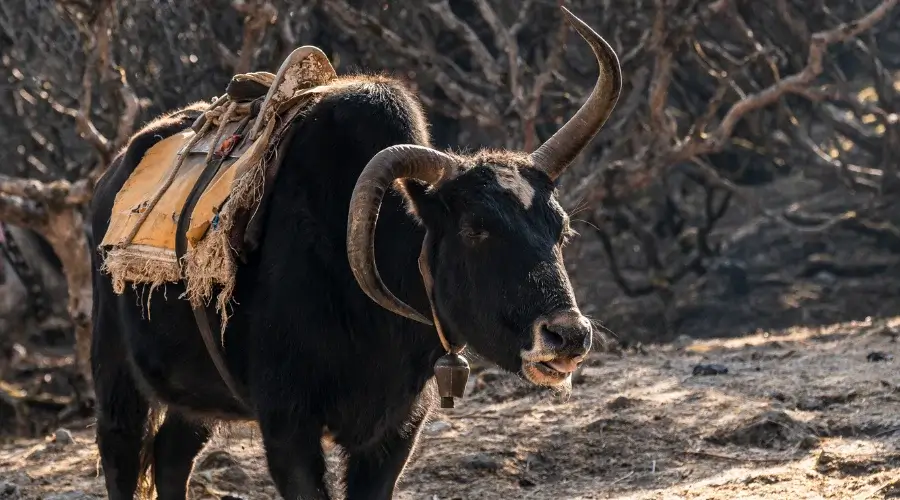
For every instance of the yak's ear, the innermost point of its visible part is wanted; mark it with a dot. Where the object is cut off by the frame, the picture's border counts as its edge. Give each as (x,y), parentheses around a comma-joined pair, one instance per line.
(422,203)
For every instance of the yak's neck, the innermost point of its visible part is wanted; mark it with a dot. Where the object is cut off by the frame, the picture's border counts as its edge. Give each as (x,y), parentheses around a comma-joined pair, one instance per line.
(398,243)
(323,210)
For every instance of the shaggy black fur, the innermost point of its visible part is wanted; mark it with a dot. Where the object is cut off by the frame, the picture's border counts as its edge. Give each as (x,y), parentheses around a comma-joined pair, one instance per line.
(309,349)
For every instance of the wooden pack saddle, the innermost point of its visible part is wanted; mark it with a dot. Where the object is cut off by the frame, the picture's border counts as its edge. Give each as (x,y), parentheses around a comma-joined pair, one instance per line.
(186,212)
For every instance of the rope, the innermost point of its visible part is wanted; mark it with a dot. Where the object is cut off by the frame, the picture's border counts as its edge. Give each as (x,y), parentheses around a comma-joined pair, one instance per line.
(229,112)
(214,115)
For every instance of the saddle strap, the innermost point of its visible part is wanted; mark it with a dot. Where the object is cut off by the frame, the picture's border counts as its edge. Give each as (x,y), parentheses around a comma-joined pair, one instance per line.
(203,324)
(201,317)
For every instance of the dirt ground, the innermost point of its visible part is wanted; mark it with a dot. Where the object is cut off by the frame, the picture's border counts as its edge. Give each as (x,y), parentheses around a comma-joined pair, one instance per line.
(800,414)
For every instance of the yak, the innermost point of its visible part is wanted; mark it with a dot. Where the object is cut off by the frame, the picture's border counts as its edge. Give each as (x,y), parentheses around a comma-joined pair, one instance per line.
(366,227)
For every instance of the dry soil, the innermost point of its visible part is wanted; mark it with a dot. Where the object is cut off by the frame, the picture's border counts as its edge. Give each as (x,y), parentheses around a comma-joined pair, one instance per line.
(806,413)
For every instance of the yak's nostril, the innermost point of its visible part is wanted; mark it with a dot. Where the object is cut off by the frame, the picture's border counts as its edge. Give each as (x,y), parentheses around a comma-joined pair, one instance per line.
(550,339)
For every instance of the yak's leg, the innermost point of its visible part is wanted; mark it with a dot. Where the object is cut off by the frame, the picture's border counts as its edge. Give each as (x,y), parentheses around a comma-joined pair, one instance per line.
(295,459)
(121,414)
(373,473)
(121,410)
(175,447)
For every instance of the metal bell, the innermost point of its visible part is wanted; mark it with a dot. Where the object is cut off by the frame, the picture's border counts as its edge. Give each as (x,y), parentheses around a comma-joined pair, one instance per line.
(452,373)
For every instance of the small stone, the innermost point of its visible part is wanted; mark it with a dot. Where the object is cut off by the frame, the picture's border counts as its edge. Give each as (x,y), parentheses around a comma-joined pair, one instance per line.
(217,459)
(437,427)
(526,482)
(63,436)
(891,332)
(704,370)
(482,380)
(481,461)
(491,375)
(9,491)
(234,475)
(809,404)
(682,341)
(809,442)
(620,403)
(877,356)
(825,277)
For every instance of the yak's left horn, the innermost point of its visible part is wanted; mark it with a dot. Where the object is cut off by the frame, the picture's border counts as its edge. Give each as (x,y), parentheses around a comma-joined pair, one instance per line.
(395,162)
(555,155)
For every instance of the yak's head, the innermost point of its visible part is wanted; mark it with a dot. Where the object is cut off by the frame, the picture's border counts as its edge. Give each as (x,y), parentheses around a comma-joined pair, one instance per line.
(492,256)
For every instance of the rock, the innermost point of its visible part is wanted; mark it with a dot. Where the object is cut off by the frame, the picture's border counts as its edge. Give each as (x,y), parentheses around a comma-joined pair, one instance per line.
(778,396)
(481,461)
(472,386)
(891,332)
(437,427)
(809,404)
(527,482)
(620,403)
(9,491)
(808,442)
(876,356)
(825,277)
(483,379)
(491,375)
(682,341)
(217,459)
(768,430)
(234,475)
(713,369)
(63,436)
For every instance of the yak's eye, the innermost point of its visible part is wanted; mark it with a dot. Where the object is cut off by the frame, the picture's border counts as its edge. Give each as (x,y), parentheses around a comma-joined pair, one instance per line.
(472,235)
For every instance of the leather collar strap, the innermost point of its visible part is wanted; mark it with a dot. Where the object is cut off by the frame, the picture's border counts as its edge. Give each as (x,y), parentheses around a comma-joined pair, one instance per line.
(428,281)
(451,371)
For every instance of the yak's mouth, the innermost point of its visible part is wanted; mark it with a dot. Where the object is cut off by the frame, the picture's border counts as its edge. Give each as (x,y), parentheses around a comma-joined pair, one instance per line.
(550,373)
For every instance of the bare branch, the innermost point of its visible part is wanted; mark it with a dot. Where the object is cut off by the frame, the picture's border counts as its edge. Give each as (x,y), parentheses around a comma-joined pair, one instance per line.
(476,47)
(358,23)
(662,75)
(544,78)
(505,39)
(58,194)
(129,115)
(258,16)
(21,211)
(98,57)
(796,83)
(524,12)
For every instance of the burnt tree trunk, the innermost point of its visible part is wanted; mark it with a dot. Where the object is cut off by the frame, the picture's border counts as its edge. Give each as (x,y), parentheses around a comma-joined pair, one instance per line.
(64,230)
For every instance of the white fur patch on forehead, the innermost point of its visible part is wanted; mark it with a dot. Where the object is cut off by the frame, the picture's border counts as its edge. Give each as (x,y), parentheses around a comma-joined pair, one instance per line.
(512,181)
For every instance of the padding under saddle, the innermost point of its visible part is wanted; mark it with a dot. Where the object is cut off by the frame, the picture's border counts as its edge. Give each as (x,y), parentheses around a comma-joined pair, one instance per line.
(215,175)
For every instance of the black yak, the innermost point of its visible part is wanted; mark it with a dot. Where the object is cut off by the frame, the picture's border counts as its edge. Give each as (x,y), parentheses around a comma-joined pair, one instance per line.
(331,335)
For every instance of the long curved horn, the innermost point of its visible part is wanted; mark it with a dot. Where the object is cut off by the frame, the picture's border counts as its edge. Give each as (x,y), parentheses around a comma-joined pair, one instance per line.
(555,155)
(390,164)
